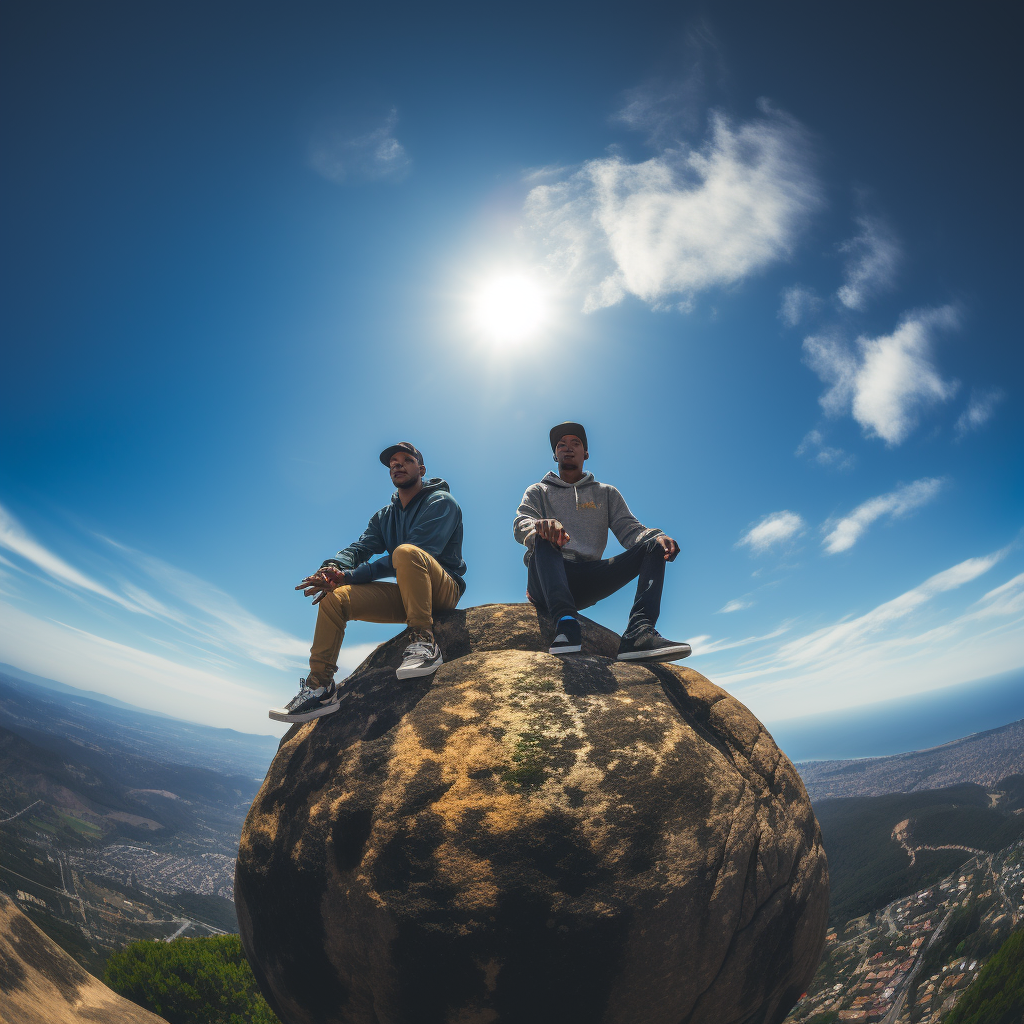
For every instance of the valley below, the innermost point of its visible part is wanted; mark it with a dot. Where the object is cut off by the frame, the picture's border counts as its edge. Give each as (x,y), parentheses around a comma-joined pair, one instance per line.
(116,825)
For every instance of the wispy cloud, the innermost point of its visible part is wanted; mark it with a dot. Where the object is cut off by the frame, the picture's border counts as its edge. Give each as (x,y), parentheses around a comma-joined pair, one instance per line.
(209,690)
(979,410)
(736,605)
(797,304)
(15,538)
(681,222)
(222,620)
(373,156)
(774,529)
(704,645)
(902,646)
(198,641)
(845,638)
(1006,599)
(845,532)
(886,381)
(814,447)
(874,258)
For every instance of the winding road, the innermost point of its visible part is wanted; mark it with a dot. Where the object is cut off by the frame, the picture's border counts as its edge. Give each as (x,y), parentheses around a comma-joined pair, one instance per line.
(18,814)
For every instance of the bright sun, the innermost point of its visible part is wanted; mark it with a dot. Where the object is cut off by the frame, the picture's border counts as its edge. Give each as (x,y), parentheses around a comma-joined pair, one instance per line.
(509,308)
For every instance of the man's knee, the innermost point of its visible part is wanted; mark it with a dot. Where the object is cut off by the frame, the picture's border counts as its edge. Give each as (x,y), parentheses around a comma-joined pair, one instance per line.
(338,602)
(408,554)
(651,545)
(546,547)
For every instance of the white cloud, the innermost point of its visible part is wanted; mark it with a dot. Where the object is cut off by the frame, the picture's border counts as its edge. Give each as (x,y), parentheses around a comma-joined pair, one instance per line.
(814,447)
(705,645)
(189,649)
(847,531)
(369,157)
(666,110)
(888,380)
(15,538)
(797,304)
(874,258)
(736,605)
(773,529)
(907,645)
(979,410)
(684,220)
(223,622)
(1007,599)
(844,639)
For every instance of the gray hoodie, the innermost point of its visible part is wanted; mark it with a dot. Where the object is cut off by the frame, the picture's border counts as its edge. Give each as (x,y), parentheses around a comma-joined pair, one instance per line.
(587,509)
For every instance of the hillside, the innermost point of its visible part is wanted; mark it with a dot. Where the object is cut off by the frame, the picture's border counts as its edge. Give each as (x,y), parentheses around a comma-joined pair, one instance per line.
(982,758)
(997,997)
(920,958)
(878,847)
(40,982)
(100,845)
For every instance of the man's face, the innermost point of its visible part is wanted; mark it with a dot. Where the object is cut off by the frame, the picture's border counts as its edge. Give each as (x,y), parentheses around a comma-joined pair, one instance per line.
(405,470)
(569,452)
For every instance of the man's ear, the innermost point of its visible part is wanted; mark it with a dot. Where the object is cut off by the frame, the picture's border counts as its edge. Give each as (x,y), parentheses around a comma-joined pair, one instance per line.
(586,455)
(423,472)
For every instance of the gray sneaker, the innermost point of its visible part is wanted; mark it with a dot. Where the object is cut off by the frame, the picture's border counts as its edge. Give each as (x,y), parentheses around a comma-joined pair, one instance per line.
(422,657)
(309,703)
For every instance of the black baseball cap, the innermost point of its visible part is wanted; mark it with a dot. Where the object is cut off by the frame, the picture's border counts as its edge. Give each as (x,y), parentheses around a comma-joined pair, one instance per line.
(559,431)
(402,446)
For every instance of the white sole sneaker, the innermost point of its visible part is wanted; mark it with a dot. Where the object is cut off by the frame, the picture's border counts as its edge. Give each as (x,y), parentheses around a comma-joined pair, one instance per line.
(420,668)
(675,653)
(281,715)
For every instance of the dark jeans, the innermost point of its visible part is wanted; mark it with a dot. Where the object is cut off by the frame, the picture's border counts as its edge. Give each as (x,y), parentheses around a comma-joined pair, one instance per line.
(558,587)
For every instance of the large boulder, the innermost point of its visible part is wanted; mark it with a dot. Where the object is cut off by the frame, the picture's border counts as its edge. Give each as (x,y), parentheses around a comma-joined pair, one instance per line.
(523,838)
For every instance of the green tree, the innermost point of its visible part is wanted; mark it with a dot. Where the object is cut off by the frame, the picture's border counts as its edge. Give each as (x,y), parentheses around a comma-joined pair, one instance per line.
(997,994)
(190,981)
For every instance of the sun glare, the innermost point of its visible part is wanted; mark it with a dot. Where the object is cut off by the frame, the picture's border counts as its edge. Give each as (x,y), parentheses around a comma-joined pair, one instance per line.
(510,308)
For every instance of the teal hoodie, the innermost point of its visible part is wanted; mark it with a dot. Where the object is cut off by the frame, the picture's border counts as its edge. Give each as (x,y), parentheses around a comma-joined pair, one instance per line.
(432,521)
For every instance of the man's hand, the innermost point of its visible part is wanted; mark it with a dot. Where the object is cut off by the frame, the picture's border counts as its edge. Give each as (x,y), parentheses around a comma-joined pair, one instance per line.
(551,530)
(323,582)
(669,546)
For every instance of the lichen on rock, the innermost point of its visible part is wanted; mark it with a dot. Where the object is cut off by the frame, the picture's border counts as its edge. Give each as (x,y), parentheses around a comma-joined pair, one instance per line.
(523,838)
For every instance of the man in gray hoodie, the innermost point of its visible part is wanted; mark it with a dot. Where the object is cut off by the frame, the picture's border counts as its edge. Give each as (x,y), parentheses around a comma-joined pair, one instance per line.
(564,521)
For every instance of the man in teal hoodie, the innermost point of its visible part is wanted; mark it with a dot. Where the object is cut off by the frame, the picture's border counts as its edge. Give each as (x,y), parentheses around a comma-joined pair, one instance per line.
(564,521)
(419,533)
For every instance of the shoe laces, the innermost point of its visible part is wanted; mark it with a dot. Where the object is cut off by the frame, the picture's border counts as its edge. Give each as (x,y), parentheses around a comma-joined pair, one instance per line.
(421,645)
(305,692)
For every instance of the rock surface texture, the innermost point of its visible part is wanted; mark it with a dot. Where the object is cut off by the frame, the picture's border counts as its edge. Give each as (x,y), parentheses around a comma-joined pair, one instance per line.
(41,984)
(524,839)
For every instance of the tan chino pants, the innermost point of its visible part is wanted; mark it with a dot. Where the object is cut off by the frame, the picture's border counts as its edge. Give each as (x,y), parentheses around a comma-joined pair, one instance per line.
(422,586)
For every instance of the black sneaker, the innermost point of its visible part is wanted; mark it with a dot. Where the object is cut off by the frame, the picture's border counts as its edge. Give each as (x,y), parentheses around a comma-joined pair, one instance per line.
(568,639)
(651,646)
(308,703)
(422,657)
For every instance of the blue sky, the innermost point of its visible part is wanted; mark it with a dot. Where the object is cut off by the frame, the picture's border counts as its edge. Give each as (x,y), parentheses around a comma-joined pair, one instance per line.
(778,262)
